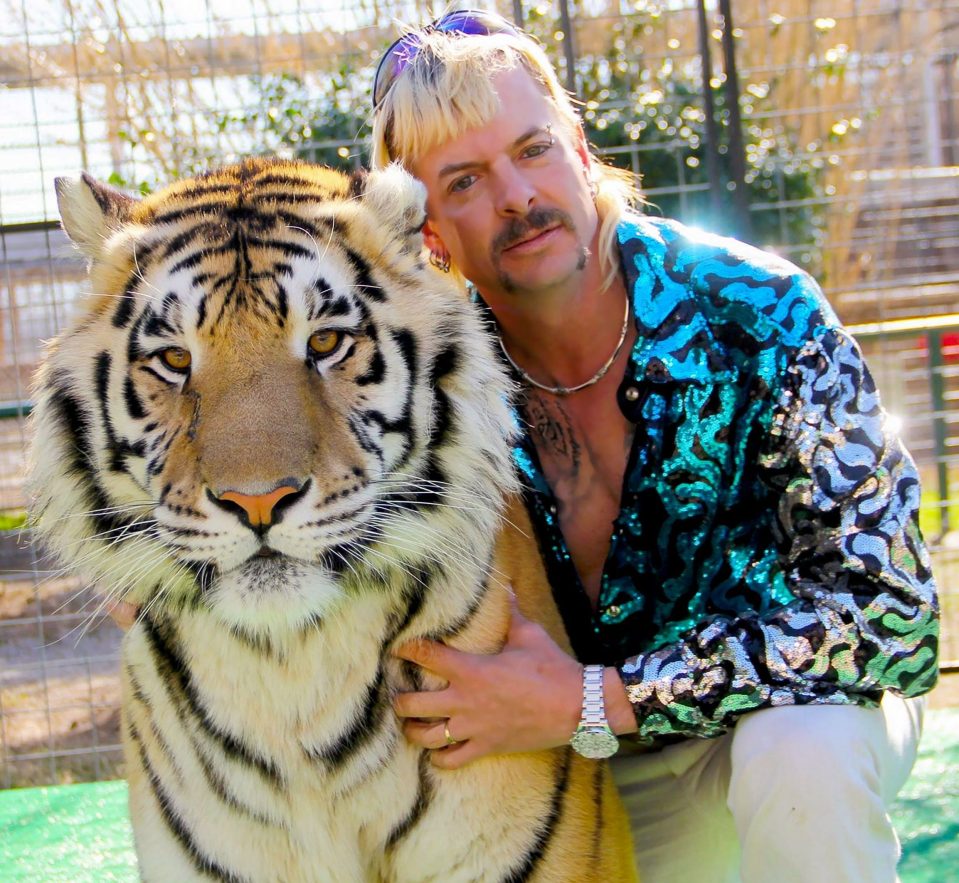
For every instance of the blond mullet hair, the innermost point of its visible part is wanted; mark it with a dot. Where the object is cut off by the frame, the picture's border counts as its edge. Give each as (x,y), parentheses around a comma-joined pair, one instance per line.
(447,88)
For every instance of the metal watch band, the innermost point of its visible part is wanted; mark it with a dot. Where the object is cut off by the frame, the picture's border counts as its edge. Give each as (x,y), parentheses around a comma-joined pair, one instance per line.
(594,708)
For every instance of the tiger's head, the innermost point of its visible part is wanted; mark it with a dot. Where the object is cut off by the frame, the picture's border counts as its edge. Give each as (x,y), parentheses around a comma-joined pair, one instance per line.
(267,399)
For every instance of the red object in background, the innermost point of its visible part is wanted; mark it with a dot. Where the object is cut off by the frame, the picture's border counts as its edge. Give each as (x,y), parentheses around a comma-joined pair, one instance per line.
(950,347)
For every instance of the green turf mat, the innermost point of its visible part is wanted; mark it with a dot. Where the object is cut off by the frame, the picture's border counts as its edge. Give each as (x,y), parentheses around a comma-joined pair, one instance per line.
(927,811)
(80,833)
(67,834)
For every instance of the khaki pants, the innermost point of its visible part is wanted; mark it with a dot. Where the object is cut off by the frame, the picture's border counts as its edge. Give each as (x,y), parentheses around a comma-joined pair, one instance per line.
(795,794)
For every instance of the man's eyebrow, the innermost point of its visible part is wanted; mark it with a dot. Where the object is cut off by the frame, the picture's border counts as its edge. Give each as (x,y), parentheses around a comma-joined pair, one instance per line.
(532,132)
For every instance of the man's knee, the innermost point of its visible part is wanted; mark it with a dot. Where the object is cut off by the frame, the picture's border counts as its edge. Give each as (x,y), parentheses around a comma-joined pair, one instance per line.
(812,774)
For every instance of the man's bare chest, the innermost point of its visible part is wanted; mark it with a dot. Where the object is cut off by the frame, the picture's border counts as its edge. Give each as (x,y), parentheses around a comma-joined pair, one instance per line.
(583,449)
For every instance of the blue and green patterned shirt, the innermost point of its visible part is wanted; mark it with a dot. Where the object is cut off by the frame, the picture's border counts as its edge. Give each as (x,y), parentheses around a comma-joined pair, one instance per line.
(767,550)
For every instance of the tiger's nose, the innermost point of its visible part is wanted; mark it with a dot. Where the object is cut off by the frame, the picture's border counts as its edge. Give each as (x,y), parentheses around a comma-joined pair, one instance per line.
(260,511)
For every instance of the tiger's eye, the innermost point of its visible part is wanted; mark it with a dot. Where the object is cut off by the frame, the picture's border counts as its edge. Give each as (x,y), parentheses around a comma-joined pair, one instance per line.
(176,358)
(324,342)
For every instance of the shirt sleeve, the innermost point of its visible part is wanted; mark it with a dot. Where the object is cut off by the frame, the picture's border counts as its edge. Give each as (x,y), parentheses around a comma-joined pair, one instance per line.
(864,616)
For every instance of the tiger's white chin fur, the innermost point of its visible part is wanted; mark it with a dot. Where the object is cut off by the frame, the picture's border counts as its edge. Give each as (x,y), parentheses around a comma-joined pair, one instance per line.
(271,596)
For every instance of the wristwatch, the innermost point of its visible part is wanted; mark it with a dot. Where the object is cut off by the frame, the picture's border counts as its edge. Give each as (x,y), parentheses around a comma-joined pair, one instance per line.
(593,737)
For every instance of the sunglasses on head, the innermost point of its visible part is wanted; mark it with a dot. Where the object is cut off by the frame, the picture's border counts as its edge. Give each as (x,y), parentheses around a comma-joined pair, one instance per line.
(471,22)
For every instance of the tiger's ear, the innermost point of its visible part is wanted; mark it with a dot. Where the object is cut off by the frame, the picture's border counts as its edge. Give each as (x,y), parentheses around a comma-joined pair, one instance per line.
(90,211)
(395,198)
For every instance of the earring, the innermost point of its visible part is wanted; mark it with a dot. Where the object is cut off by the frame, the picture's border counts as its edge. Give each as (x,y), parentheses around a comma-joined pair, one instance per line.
(441,262)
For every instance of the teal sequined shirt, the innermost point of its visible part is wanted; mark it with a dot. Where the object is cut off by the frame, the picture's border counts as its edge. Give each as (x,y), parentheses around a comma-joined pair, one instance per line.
(767,550)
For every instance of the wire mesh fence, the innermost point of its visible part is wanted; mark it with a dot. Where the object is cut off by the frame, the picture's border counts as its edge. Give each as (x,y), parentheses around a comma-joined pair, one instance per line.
(847,163)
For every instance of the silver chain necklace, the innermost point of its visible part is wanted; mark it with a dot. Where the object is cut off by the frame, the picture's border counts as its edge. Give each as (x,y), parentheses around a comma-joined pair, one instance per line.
(569,390)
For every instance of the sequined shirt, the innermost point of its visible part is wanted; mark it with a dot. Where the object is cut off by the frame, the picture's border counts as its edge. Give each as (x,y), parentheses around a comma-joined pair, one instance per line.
(767,549)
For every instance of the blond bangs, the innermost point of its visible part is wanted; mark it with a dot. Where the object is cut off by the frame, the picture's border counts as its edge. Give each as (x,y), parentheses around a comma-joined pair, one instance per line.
(444,91)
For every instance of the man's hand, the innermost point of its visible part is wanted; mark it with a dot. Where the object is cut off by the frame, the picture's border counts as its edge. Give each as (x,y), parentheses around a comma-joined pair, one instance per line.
(526,698)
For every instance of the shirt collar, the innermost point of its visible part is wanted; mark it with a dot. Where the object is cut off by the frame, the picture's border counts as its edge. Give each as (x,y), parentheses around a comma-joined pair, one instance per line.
(675,343)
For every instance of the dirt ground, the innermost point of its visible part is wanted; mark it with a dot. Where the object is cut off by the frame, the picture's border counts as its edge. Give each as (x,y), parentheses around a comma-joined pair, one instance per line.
(59,690)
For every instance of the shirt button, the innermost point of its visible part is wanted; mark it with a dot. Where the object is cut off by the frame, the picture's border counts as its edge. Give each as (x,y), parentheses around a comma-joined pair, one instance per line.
(632,394)
(613,610)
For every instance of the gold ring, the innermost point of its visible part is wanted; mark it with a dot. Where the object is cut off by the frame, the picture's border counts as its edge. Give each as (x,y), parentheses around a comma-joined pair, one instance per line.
(446,732)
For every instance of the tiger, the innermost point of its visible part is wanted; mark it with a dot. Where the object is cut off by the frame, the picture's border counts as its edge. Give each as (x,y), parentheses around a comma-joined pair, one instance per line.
(287,439)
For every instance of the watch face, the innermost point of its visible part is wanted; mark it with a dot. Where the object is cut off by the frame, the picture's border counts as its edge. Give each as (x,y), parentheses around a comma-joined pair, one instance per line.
(595,742)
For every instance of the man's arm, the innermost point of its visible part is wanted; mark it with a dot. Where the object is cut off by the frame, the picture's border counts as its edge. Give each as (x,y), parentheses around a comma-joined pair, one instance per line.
(864,618)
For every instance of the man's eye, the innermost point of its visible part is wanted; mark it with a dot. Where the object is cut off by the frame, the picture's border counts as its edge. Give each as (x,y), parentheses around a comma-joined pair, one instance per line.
(461,184)
(535,150)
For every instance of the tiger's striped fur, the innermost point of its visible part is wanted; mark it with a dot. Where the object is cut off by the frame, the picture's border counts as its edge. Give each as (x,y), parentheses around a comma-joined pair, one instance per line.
(260,742)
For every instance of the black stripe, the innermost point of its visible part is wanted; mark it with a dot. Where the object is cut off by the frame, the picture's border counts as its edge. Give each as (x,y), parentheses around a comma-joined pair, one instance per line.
(262,645)
(311,227)
(194,213)
(175,673)
(201,862)
(364,282)
(415,589)
(135,688)
(286,246)
(402,425)
(424,794)
(442,419)
(362,435)
(456,627)
(599,781)
(119,449)
(188,262)
(446,362)
(158,326)
(330,305)
(538,849)
(81,463)
(124,310)
(362,729)
(375,372)
(185,238)
(406,343)
(301,187)
(133,402)
(220,786)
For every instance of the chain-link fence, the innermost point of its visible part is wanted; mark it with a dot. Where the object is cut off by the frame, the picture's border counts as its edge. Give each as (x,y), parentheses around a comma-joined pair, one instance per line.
(827,131)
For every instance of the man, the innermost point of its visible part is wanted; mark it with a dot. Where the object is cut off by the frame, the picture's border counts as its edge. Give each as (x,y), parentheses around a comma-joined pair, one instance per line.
(729,528)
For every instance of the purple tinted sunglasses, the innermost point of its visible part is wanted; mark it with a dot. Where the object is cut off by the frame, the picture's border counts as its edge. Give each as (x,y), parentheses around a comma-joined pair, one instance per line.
(472,22)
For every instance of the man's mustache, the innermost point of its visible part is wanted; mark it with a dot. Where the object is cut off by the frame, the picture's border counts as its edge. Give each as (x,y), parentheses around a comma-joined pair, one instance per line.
(539,219)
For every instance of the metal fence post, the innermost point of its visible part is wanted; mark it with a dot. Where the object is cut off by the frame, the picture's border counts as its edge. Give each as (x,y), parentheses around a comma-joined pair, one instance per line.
(569,51)
(936,385)
(737,161)
(709,109)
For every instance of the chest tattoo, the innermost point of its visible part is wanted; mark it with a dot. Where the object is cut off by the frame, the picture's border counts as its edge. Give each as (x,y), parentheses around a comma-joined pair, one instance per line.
(553,431)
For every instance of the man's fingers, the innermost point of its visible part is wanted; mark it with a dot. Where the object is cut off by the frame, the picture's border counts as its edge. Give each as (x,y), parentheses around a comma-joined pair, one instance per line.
(123,613)
(431,655)
(456,756)
(429,704)
(431,734)
(521,630)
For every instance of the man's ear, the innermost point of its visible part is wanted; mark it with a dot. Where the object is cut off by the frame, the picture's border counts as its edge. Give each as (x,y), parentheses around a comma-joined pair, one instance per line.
(432,240)
(582,147)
